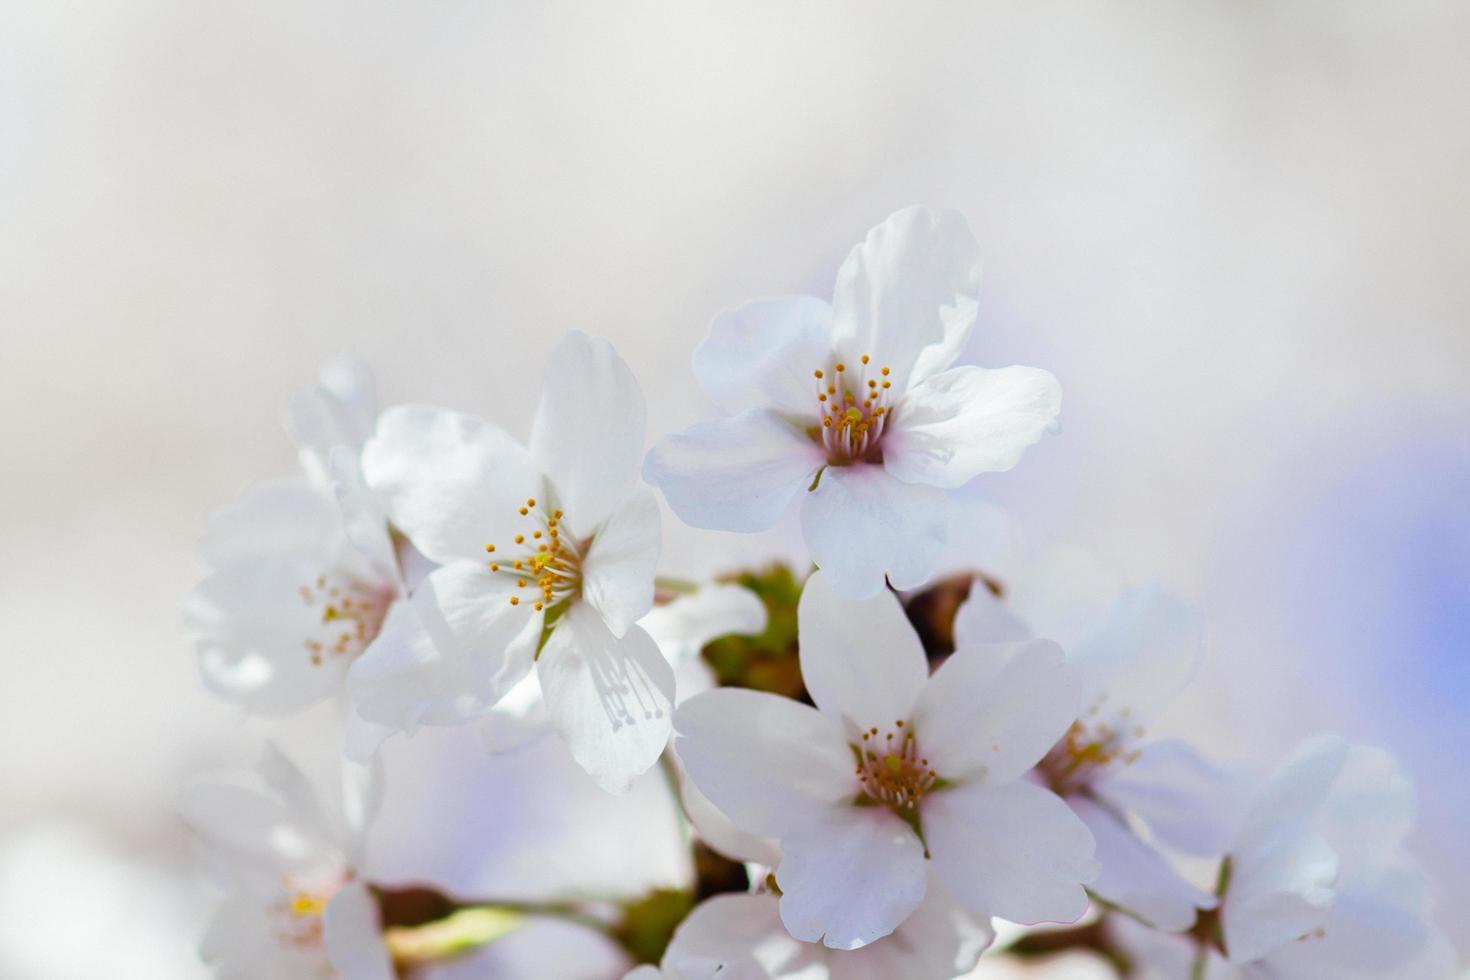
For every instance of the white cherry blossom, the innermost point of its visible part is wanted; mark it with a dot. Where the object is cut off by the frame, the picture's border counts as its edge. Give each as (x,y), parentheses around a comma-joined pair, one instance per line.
(287,858)
(893,767)
(547,559)
(1320,883)
(1134,650)
(302,571)
(855,407)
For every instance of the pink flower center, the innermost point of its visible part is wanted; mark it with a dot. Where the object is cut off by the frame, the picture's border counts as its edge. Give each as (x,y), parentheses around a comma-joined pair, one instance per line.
(352,612)
(854,409)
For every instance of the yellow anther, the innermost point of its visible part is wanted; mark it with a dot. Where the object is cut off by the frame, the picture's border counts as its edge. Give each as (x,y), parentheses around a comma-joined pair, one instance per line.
(841,366)
(822,397)
(520,583)
(530,501)
(535,534)
(494,567)
(490,547)
(515,600)
(865,358)
(538,606)
(884,371)
(888,384)
(817,374)
(524,512)
(872,383)
(520,539)
(304,904)
(556,514)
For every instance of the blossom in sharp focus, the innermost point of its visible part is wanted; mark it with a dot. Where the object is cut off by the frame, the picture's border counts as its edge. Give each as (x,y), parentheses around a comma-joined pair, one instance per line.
(302,571)
(893,767)
(855,405)
(1134,651)
(741,937)
(286,857)
(547,558)
(1319,881)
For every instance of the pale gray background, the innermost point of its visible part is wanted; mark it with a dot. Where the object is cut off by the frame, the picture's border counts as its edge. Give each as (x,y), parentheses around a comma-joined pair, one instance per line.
(1237,231)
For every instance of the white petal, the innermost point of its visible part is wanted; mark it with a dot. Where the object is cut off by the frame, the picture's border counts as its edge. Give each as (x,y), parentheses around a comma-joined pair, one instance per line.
(770,763)
(763,355)
(850,879)
(1370,811)
(364,521)
(984,617)
(719,832)
(683,627)
(353,935)
(908,294)
(938,941)
(1065,594)
(991,712)
(517,720)
(1188,802)
(739,937)
(861,524)
(618,569)
(277,517)
(967,421)
(1301,784)
(611,699)
(1137,877)
(733,474)
(1282,879)
(1141,657)
(337,412)
(1015,850)
(861,661)
(446,655)
(453,483)
(588,431)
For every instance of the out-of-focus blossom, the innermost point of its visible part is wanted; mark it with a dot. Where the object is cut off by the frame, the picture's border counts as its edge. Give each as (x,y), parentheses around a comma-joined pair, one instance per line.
(1319,881)
(547,559)
(301,571)
(894,766)
(287,857)
(856,403)
(1134,650)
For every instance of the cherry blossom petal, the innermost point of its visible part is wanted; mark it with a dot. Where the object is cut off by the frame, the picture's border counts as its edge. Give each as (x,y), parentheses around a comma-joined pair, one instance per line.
(861,524)
(1369,936)
(1141,656)
(991,712)
(738,937)
(336,412)
(907,294)
(446,655)
(941,939)
(850,879)
(719,832)
(1371,809)
(1015,850)
(772,764)
(619,567)
(453,483)
(734,474)
(278,517)
(1188,802)
(589,426)
(1300,786)
(762,355)
(610,698)
(984,617)
(1282,879)
(353,935)
(967,421)
(1137,877)
(861,660)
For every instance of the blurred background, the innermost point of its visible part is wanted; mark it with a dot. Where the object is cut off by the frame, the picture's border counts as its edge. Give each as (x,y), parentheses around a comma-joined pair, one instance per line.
(1238,232)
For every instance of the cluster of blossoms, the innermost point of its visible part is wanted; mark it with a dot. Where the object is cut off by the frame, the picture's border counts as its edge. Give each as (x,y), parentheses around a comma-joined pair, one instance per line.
(874,764)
